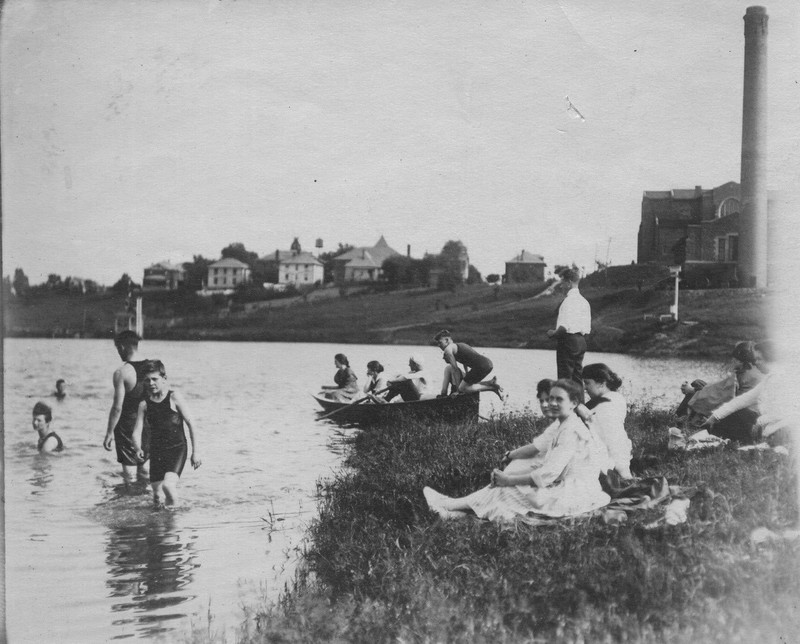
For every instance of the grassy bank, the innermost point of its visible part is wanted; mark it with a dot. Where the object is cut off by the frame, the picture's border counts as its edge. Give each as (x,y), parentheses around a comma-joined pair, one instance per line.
(380,567)
(625,318)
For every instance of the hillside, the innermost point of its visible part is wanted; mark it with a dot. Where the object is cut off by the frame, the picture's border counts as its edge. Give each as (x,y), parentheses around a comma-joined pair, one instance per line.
(625,318)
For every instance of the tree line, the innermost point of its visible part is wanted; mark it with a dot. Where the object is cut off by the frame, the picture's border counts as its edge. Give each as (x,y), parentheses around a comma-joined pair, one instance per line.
(399,271)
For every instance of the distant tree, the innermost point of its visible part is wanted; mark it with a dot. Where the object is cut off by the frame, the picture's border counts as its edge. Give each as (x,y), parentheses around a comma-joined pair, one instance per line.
(238,251)
(492,278)
(474,275)
(54,282)
(20,282)
(264,270)
(124,284)
(327,260)
(559,268)
(196,272)
(91,287)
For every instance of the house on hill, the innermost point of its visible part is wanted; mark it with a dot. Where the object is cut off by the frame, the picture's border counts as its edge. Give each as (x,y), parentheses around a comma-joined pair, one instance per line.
(525,267)
(163,276)
(226,274)
(296,266)
(362,264)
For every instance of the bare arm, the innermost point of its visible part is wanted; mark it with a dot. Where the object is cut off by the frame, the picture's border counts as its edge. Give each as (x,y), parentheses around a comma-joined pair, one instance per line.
(180,405)
(136,437)
(116,406)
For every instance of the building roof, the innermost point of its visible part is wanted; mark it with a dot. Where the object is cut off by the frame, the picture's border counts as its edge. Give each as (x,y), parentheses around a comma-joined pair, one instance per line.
(300,258)
(364,261)
(228,262)
(167,266)
(526,258)
(379,253)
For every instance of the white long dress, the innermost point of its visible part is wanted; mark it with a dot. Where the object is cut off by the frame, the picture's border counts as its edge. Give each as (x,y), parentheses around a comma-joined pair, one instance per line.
(564,478)
(608,423)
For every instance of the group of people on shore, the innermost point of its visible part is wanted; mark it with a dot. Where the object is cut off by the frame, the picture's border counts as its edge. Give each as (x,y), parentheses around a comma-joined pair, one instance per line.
(563,470)
(464,373)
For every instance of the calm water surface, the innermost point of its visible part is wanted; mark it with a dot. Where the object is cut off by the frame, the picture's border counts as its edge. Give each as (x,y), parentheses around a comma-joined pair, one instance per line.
(86,563)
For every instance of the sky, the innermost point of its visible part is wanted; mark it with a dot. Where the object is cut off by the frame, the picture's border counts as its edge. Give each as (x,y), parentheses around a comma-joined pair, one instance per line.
(134,132)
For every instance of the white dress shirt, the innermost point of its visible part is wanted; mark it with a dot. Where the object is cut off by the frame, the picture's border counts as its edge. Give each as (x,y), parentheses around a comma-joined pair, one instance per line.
(575,314)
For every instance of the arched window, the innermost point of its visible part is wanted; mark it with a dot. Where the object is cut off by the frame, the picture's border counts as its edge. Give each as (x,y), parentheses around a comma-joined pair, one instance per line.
(729,206)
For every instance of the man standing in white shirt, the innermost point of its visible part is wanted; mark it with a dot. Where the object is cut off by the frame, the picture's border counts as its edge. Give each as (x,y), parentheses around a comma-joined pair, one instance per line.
(574,323)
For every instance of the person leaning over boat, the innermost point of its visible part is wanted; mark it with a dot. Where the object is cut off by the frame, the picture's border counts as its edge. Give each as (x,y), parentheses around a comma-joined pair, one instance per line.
(376,382)
(345,378)
(413,385)
(477,367)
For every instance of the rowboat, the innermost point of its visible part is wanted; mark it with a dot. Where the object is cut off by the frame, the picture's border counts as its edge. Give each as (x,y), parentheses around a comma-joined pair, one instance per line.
(463,407)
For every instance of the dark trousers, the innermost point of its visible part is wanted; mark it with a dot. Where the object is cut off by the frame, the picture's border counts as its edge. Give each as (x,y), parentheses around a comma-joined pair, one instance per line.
(405,389)
(569,358)
(739,426)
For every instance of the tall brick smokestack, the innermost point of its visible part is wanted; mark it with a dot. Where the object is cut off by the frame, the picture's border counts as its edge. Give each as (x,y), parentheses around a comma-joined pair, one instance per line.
(753,228)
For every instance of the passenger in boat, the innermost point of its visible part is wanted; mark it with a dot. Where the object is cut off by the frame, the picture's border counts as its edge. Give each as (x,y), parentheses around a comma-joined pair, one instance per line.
(376,384)
(605,415)
(167,414)
(413,385)
(128,393)
(564,481)
(49,441)
(61,389)
(346,386)
(476,367)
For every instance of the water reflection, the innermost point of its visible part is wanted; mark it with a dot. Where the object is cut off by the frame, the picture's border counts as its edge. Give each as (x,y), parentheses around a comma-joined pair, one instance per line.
(42,473)
(150,566)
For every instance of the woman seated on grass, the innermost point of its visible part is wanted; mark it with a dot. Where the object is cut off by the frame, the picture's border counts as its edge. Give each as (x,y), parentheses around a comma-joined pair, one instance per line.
(606,417)
(565,482)
(776,409)
(345,378)
(701,399)
(527,457)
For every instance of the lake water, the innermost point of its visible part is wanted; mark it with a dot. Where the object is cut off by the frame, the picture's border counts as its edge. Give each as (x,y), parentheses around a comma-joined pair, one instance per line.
(86,563)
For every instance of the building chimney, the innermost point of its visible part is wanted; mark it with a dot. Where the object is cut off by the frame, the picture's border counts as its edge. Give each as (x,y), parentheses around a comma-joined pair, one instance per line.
(753,227)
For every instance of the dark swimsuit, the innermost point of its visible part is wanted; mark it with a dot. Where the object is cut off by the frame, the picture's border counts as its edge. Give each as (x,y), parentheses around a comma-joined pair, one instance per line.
(42,441)
(167,440)
(123,432)
(477,365)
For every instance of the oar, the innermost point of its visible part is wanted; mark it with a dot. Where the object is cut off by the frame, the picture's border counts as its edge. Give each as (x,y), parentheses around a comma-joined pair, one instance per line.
(355,402)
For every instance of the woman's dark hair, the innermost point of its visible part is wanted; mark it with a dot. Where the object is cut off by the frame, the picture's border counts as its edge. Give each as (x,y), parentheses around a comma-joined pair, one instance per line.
(573,389)
(745,352)
(342,359)
(444,333)
(374,365)
(40,409)
(544,386)
(767,350)
(600,372)
(154,366)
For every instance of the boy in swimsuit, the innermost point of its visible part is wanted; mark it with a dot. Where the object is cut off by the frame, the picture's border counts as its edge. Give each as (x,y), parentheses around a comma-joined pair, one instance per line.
(167,414)
(48,441)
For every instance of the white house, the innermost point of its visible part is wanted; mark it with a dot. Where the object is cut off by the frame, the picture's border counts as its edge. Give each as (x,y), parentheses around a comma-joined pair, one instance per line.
(299,268)
(227,273)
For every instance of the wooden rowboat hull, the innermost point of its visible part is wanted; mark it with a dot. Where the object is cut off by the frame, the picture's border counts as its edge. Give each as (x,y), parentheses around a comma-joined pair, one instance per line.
(460,408)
